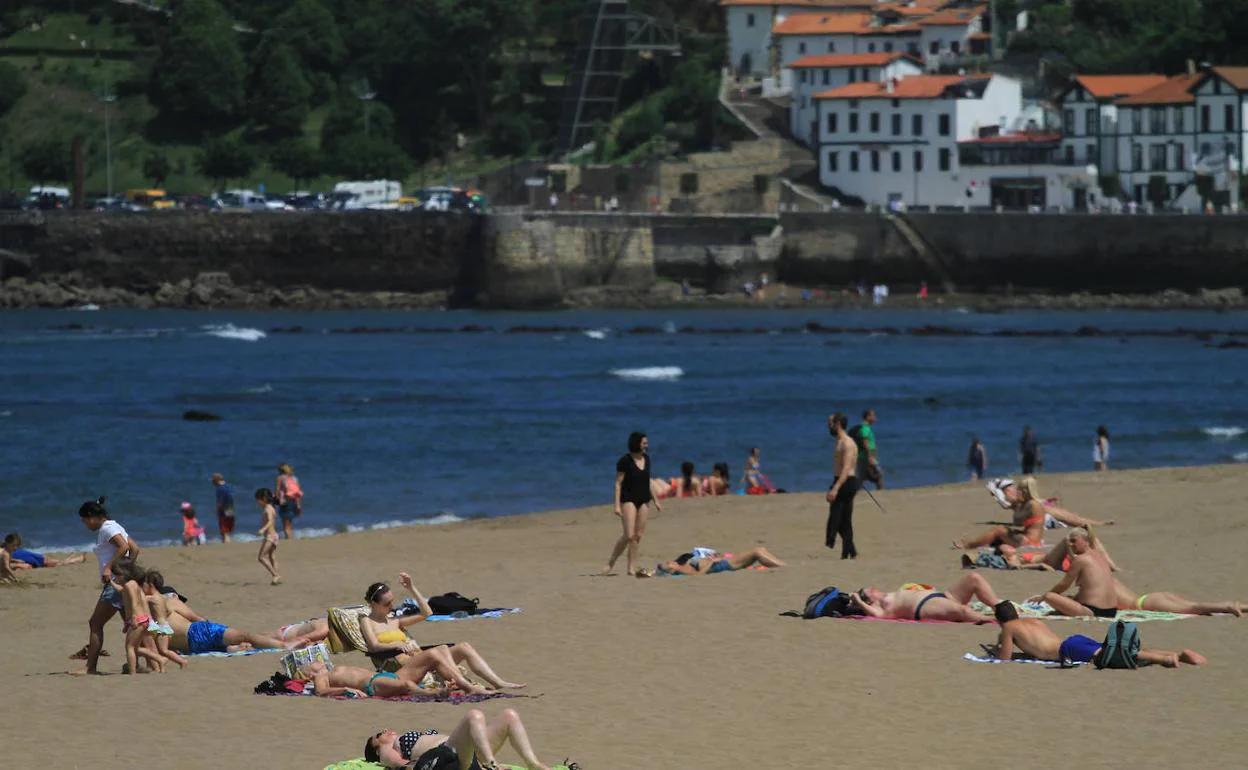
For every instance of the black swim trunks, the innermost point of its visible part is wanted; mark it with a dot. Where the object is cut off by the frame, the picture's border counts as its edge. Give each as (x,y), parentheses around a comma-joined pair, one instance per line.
(918,608)
(1102,612)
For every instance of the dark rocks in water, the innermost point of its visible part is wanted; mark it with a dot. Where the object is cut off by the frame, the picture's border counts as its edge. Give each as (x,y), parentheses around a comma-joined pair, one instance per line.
(1231,345)
(931,401)
(195,415)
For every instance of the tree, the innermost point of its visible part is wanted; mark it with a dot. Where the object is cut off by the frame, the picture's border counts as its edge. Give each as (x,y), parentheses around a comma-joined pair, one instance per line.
(200,74)
(370,157)
(346,119)
(282,93)
(225,159)
(12,86)
(298,160)
(309,29)
(46,160)
(640,127)
(156,168)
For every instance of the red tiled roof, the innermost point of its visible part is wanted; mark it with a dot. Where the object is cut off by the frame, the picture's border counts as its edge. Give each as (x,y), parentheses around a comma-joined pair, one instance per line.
(835,60)
(1112,86)
(1022,138)
(821,24)
(980,36)
(953,18)
(891,29)
(903,10)
(830,5)
(912,87)
(1236,76)
(1175,90)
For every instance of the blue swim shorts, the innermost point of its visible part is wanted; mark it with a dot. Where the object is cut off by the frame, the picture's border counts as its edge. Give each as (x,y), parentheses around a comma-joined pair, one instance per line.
(111,595)
(205,636)
(1078,648)
(723,565)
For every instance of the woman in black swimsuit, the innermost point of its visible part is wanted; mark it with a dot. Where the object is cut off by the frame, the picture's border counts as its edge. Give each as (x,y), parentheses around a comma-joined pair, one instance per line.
(470,746)
(632,500)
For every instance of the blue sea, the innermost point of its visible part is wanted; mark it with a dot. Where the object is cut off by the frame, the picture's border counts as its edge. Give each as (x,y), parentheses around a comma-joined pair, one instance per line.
(391,425)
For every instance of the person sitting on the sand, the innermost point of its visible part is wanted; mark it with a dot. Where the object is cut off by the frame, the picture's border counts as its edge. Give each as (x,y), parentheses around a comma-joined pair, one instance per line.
(1161,601)
(471,744)
(929,604)
(384,635)
(713,562)
(1097,594)
(14,557)
(1018,498)
(688,484)
(330,682)
(1035,640)
(717,483)
(1056,559)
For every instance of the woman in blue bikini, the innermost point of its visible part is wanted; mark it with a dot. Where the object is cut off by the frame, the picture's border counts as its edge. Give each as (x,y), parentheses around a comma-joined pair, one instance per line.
(711,563)
(470,746)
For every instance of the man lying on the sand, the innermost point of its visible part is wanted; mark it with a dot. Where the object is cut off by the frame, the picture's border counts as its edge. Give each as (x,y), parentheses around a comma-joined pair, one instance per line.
(951,605)
(1096,594)
(362,683)
(203,636)
(696,563)
(1035,640)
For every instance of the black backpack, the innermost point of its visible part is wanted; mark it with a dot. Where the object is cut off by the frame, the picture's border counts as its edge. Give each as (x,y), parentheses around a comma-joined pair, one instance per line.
(450,603)
(1121,647)
(440,757)
(831,602)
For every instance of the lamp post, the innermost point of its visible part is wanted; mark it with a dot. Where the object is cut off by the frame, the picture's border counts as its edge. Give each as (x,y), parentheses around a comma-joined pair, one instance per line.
(364,92)
(107,97)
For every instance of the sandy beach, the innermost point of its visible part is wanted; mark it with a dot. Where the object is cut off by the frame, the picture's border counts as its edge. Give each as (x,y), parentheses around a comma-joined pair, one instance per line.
(674,673)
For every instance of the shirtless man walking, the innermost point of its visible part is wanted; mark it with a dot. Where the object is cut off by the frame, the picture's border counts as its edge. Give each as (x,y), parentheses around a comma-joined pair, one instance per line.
(844,486)
(1097,594)
(952,605)
(1034,639)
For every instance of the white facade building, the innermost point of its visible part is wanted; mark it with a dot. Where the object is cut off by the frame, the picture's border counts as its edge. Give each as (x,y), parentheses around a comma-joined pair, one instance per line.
(813,75)
(1089,116)
(805,35)
(949,34)
(940,140)
(750,23)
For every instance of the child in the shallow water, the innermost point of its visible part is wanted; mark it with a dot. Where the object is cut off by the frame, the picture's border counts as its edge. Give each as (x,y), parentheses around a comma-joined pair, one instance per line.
(192,530)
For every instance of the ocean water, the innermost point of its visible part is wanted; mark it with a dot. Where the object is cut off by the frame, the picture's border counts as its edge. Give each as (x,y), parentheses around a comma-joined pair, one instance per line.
(401,426)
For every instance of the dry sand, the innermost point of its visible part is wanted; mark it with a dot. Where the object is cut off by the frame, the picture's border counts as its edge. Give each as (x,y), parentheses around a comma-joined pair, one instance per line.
(675,673)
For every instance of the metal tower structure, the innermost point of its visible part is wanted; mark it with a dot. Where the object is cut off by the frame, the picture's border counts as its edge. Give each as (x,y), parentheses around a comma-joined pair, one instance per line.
(610,34)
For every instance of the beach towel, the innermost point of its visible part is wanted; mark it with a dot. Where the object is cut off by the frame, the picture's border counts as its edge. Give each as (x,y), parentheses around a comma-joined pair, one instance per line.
(454,700)
(985,659)
(1043,610)
(364,764)
(239,654)
(498,613)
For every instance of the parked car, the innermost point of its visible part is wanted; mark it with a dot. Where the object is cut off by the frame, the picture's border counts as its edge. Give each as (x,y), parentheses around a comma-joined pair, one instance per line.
(245,200)
(444,199)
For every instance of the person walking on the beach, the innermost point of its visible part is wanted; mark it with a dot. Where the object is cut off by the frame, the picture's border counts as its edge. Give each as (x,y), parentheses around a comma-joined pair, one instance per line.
(268,530)
(1029,452)
(868,460)
(977,459)
(289,497)
(225,507)
(840,495)
(112,545)
(632,500)
(1100,450)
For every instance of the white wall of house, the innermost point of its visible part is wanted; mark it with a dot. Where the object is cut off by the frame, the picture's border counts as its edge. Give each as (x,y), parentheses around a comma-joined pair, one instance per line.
(793,47)
(749,37)
(1088,128)
(944,41)
(803,109)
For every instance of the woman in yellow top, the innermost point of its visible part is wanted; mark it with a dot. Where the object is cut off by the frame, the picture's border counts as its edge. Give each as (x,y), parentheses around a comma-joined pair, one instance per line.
(384,634)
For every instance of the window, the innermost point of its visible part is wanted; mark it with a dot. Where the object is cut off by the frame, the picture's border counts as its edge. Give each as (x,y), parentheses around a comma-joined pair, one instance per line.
(956,47)
(1093,155)
(749,20)
(853,75)
(1137,120)
(888,48)
(912,48)
(831,47)
(1217,86)
(1157,120)
(934,48)
(1070,154)
(896,161)
(1090,126)
(866,74)
(896,124)
(944,158)
(1178,120)
(1137,157)
(801,48)
(831,123)
(853,161)
(853,122)
(827,77)
(896,103)
(832,161)
(1204,117)
(1228,117)
(801,76)
(1068,122)
(944,125)
(1180,158)
(802,103)
(875,122)
(1157,157)
(870,47)
(918,160)
(875,160)
(916,125)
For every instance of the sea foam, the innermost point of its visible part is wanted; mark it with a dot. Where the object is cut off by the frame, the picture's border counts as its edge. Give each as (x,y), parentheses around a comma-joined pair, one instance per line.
(661,373)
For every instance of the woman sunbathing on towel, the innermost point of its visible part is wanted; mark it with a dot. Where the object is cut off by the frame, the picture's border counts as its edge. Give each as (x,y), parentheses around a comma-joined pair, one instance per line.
(1056,559)
(1029,518)
(1019,497)
(928,604)
(471,744)
(362,683)
(710,563)
(385,635)
(688,484)
(1159,601)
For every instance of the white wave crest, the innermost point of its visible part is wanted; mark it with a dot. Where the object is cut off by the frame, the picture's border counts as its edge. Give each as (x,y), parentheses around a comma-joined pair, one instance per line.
(597,334)
(1240,457)
(88,307)
(232,332)
(1219,431)
(6,413)
(265,388)
(663,373)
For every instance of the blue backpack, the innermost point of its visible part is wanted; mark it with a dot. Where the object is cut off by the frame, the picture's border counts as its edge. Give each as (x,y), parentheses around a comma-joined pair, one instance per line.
(831,602)
(1120,648)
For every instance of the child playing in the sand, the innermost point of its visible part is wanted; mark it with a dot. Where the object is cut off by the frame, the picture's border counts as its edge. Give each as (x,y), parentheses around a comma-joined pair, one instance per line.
(192,530)
(268,531)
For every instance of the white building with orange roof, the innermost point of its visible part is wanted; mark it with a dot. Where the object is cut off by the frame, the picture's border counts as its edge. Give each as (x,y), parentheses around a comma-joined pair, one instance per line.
(821,72)
(803,35)
(750,24)
(1090,116)
(941,140)
(950,34)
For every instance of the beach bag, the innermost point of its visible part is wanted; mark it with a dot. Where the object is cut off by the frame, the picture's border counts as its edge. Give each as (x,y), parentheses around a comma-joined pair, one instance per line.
(831,602)
(440,757)
(1120,648)
(451,603)
(294,660)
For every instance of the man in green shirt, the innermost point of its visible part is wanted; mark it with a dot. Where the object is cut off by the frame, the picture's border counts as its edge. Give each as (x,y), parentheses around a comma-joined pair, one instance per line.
(868,460)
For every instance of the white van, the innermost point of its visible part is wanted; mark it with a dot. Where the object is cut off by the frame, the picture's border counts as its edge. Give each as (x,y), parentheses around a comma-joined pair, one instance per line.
(378,193)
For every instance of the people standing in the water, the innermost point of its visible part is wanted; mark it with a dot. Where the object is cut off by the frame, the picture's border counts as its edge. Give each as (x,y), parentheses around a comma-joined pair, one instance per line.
(289,497)
(1029,452)
(225,507)
(977,459)
(1100,450)
(633,498)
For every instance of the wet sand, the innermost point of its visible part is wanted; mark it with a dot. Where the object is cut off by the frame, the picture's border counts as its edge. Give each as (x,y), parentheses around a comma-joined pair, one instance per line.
(675,673)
